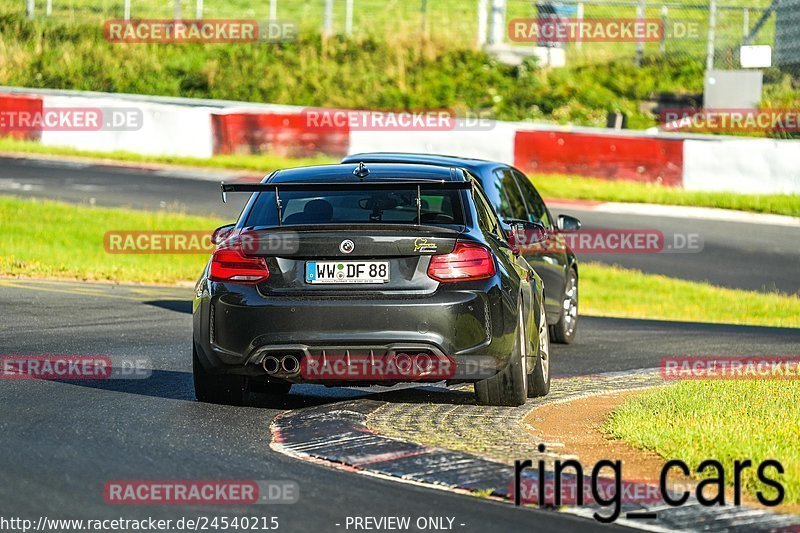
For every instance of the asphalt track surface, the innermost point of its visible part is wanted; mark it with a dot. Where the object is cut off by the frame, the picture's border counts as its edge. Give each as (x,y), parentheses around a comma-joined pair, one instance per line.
(62,441)
(734,254)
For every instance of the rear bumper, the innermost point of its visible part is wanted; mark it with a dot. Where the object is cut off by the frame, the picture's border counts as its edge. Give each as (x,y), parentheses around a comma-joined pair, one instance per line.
(235,328)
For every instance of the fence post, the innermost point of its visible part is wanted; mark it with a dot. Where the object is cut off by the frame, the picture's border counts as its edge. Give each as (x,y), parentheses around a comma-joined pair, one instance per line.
(664,17)
(273,9)
(48,10)
(640,11)
(29,6)
(498,22)
(126,10)
(746,22)
(328,23)
(424,14)
(348,17)
(176,9)
(712,26)
(579,16)
(198,10)
(483,5)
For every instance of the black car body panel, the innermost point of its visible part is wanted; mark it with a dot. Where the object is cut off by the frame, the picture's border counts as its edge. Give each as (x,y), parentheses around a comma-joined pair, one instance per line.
(239,325)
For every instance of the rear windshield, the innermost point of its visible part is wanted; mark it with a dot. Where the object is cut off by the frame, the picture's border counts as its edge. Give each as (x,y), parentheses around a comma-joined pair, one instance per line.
(357,207)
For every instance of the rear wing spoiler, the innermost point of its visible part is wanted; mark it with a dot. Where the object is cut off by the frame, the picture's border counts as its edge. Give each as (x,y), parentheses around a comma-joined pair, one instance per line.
(411,185)
(340,186)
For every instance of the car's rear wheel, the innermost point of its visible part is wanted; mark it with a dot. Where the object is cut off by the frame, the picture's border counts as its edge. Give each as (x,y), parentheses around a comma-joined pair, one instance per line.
(508,387)
(539,380)
(563,331)
(218,388)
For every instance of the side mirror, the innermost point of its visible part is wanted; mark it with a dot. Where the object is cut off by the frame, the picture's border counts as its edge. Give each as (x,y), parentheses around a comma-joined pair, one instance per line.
(221,233)
(524,233)
(568,223)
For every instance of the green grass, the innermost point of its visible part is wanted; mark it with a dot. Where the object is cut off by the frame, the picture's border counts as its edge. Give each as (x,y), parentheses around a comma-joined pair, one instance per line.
(581,188)
(414,72)
(53,239)
(56,240)
(622,292)
(722,420)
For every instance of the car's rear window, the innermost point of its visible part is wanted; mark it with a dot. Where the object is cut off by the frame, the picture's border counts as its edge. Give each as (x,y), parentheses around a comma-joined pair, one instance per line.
(357,207)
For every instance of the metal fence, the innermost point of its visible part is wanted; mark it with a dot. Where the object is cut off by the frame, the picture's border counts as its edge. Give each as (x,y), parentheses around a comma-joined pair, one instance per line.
(706,31)
(710,31)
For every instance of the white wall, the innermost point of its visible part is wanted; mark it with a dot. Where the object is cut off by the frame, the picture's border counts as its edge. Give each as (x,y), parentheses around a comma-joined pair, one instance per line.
(495,144)
(746,166)
(183,127)
(166,129)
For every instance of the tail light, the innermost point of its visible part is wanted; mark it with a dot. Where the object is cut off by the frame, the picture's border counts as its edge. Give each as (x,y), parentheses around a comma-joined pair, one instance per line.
(229,264)
(467,262)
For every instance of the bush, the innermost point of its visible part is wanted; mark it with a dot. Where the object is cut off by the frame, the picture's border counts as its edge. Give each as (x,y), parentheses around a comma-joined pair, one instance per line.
(357,72)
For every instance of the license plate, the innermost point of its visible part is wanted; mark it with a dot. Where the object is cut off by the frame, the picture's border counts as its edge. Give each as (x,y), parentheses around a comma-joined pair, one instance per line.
(347,272)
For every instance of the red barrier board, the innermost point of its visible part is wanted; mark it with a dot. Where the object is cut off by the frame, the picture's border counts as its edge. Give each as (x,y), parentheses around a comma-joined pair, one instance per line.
(645,159)
(285,134)
(16,109)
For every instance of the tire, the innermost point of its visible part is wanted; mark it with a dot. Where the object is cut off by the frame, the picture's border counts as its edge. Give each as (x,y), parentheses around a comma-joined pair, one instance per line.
(508,387)
(222,389)
(563,331)
(539,380)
